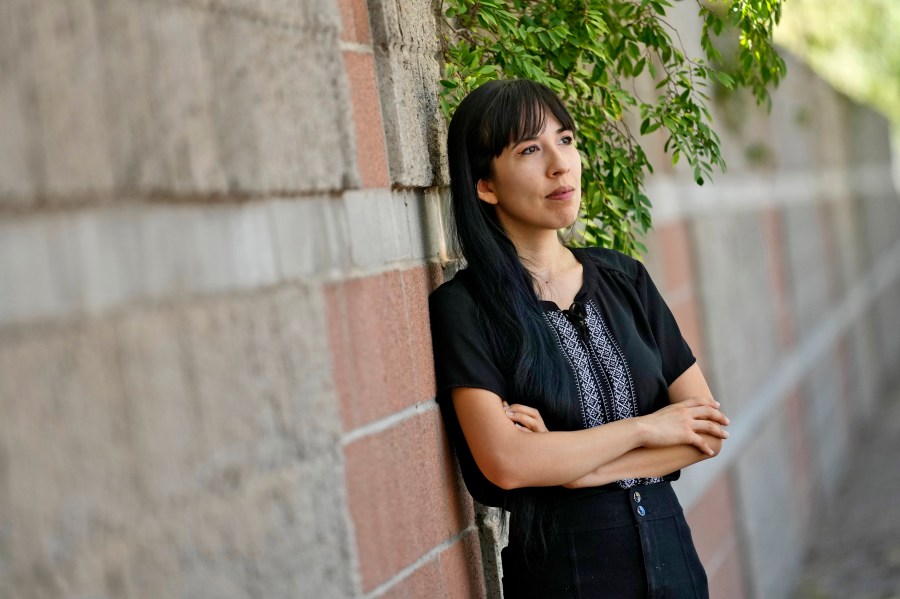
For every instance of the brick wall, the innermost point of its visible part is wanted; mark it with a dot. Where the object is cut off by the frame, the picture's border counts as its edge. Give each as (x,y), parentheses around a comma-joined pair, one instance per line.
(786,282)
(219,223)
(215,367)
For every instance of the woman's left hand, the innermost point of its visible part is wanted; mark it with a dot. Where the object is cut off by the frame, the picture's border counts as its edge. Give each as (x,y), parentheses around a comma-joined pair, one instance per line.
(526,418)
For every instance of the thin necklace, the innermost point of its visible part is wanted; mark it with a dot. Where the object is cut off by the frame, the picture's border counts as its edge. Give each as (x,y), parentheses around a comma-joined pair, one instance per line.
(546,278)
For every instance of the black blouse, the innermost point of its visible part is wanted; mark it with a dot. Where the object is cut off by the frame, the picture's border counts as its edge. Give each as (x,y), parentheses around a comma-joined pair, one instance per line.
(620,340)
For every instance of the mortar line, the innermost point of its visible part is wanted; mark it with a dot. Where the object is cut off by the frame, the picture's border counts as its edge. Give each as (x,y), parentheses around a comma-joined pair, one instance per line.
(795,366)
(408,570)
(372,428)
(348,46)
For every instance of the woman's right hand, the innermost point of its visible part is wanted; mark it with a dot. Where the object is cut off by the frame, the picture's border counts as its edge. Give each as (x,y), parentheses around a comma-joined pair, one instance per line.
(681,424)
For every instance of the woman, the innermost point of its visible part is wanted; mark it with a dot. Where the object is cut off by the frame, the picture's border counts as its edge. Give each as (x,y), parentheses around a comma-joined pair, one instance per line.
(592,510)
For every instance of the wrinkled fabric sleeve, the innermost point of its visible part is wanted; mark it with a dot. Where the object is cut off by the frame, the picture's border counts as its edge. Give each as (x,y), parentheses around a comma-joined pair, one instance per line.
(675,352)
(462,356)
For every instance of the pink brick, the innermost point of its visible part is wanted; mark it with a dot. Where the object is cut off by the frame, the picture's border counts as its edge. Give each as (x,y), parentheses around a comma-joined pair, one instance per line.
(801,465)
(847,394)
(402,501)
(830,240)
(712,521)
(714,529)
(461,569)
(355,17)
(416,286)
(687,316)
(424,582)
(371,153)
(454,574)
(380,344)
(727,582)
(773,232)
(674,253)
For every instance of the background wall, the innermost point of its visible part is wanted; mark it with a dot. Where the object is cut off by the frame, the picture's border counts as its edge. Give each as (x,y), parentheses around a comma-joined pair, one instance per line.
(219,223)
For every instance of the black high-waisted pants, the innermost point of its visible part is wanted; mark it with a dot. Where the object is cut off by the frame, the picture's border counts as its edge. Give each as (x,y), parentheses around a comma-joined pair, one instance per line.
(622,544)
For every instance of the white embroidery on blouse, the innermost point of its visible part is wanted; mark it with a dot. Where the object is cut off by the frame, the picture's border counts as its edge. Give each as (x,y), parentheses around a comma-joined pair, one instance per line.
(605,387)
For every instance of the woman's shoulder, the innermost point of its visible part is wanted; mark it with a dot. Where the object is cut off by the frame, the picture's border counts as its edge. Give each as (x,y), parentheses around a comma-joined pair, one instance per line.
(453,294)
(612,261)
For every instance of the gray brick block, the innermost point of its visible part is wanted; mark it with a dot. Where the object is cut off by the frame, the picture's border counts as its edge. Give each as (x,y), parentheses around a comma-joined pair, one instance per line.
(880,223)
(493,533)
(309,15)
(829,132)
(183,452)
(66,86)
(100,259)
(864,361)
(828,415)
(65,449)
(135,110)
(159,98)
(20,157)
(437,219)
(175,148)
(407,57)
(281,108)
(154,252)
(164,419)
(869,135)
(807,267)
(793,119)
(886,310)
(311,236)
(848,244)
(39,267)
(738,311)
(772,516)
(384,226)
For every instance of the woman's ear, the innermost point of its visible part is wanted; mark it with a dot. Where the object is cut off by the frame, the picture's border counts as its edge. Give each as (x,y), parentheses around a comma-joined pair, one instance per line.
(486,191)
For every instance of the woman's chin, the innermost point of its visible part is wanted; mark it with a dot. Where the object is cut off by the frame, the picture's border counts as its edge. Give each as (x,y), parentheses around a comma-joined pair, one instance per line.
(568,218)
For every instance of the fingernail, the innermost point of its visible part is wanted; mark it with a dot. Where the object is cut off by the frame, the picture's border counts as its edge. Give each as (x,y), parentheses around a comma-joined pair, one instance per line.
(718,404)
(726,434)
(727,421)
(508,413)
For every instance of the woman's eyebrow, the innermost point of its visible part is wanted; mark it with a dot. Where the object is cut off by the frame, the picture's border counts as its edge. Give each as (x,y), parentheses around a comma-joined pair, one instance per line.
(534,137)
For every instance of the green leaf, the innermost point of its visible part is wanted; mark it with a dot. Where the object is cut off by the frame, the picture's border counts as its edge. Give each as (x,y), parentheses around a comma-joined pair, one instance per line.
(587,52)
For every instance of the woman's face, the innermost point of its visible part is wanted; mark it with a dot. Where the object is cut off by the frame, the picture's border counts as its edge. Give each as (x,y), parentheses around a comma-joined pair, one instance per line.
(536,183)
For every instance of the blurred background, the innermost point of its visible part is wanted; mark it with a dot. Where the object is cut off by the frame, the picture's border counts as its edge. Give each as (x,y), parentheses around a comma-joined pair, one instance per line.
(219,223)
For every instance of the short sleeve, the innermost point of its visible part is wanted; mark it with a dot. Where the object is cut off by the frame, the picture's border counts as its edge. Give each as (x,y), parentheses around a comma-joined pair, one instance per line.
(462,356)
(675,352)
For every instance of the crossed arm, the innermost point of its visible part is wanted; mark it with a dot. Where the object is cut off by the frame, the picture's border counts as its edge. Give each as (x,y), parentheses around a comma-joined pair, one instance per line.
(502,442)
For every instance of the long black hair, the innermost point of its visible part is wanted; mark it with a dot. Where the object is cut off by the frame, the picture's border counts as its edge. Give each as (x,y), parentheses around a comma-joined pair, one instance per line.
(489,119)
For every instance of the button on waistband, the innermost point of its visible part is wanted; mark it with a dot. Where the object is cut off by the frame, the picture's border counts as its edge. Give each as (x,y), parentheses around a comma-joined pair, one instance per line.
(641,511)
(637,497)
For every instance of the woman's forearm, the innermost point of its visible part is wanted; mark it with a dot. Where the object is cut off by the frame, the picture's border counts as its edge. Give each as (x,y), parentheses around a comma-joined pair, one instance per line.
(644,462)
(512,458)
(553,458)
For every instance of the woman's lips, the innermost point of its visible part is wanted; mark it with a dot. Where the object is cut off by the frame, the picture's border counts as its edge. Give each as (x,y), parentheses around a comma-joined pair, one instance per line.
(563,193)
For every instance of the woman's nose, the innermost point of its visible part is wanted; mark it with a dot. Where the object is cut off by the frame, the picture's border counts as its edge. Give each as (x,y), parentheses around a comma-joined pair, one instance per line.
(557,164)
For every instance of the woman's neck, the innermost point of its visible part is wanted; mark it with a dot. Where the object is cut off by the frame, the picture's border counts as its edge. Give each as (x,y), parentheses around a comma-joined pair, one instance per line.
(543,254)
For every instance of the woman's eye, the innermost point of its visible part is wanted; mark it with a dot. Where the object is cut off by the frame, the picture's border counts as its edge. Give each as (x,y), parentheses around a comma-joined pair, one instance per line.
(568,140)
(528,150)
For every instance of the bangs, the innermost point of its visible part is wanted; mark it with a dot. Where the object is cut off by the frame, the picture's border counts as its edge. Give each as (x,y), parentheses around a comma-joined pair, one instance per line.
(519,111)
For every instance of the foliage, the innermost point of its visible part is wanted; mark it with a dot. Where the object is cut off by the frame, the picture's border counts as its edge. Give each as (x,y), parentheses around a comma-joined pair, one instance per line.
(589,52)
(857,50)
